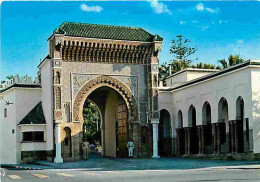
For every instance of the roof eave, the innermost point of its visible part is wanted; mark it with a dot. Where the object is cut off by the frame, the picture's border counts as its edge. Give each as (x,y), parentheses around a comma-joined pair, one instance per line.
(217,74)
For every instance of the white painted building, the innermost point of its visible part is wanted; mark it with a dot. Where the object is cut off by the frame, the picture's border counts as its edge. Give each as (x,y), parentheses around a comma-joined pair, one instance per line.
(202,112)
(16,102)
(192,90)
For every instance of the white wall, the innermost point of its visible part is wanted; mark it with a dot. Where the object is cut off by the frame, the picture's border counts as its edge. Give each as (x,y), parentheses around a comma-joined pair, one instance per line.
(192,75)
(110,123)
(165,102)
(186,75)
(33,127)
(24,100)
(46,82)
(8,140)
(230,86)
(33,146)
(255,105)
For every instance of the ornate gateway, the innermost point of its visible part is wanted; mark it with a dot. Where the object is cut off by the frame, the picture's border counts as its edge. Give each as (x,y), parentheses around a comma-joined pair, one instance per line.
(117,68)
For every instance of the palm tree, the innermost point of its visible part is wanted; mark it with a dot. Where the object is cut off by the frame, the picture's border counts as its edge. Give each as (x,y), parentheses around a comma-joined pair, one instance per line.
(17,75)
(205,66)
(223,63)
(177,65)
(232,60)
(10,77)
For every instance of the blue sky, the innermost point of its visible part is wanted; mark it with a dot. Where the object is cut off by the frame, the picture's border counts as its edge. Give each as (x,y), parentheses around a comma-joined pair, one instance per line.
(216,28)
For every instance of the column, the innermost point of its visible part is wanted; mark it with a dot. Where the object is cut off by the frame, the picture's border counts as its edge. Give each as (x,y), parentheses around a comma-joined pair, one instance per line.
(236,136)
(247,136)
(155,140)
(58,158)
(218,138)
(136,139)
(203,139)
(231,135)
(188,141)
(200,139)
(177,142)
(215,137)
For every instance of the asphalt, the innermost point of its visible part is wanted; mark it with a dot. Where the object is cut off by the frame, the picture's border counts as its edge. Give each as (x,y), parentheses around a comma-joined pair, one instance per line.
(219,174)
(97,163)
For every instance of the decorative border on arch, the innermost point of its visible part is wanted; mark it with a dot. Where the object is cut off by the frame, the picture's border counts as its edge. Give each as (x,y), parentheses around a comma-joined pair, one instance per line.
(115,84)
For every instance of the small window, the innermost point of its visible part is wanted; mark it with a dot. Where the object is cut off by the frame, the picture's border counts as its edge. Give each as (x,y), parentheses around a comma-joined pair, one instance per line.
(36,136)
(5,112)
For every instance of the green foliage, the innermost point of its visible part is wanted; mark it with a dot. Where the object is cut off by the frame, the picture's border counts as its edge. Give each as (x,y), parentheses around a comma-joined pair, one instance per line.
(163,71)
(181,50)
(26,78)
(205,66)
(10,77)
(232,60)
(19,78)
(91,117)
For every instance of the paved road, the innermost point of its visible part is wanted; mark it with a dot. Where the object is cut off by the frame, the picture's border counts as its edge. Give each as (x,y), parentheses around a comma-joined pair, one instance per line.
(220,174)
(104,163)
(151,170)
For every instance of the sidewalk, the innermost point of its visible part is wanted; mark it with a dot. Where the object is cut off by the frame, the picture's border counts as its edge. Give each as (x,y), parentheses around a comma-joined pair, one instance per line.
(97,163)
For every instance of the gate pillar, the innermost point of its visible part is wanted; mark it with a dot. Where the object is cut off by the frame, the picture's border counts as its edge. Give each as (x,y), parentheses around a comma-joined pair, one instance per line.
(58,158)
(155,139)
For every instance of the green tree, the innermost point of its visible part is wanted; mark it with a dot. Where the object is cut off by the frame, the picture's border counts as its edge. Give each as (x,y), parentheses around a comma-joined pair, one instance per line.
(232,60)
(10,77)
(163,71)
(181,50)
(18,76)
(91,117)
(205,66)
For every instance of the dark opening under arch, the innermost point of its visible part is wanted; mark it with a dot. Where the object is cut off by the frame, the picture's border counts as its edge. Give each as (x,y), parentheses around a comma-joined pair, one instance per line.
(165,140)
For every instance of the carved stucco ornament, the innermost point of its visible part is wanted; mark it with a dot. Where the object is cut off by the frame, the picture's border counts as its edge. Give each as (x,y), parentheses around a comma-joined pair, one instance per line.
(111,82)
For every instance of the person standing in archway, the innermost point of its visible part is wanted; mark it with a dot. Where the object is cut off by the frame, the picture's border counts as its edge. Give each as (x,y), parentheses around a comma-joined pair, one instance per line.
(130,146)
(85,147)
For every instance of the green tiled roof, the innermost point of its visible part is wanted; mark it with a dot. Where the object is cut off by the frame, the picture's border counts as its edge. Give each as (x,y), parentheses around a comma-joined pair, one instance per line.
(35,116)
(106,32)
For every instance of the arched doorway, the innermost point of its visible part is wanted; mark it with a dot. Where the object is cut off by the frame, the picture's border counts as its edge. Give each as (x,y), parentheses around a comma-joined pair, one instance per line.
(240,125)
(92,126)
(193,136)
(119,114)
(114,126)
(206,121)
(180,135)
(66,144)
(165,140)
(222,132)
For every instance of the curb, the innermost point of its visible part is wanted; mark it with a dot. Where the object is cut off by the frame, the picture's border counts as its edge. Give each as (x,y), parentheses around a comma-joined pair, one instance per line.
(13,167)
